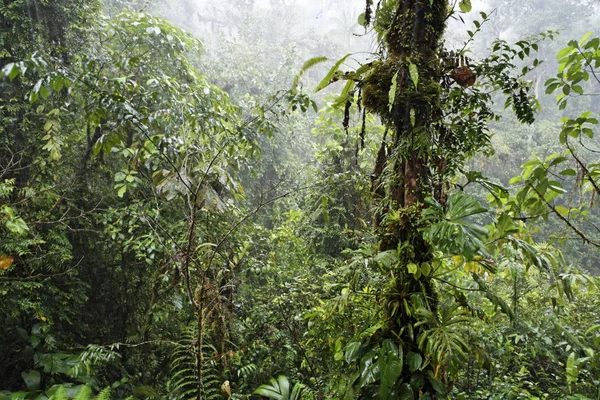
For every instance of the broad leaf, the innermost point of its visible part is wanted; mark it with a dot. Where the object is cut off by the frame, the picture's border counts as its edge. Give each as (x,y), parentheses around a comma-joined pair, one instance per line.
(390,368)
(414,361)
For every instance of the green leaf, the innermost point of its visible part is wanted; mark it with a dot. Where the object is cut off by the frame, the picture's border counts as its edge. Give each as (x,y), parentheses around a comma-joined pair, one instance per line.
(327,80)
(390,368)
(568,172)
(451,231)
(392,92)
(417,381)
(306,66)
(13,71)
(585,37)
(297,392)
(564,52)
(104,394)
(552,87)
(121,190)
(406,392)
(343,97)
(14,223)
(368,369)
(278,389)
(352,351)
(361,20)
(572,369)
(387,258)
(562,210)
(32,379)
(33,96)
(414,73)
(592,329)
(412,268)
(436,384)
(84,393)
(425,268)
(514,180)
(414,361)
(465,6)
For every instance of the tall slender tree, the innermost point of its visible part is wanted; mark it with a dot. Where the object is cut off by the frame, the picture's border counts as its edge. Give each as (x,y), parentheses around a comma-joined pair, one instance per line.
(435,120)
(404,89)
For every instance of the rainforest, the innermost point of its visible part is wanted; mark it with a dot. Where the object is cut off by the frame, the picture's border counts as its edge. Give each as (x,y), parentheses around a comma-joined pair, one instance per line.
(299,199)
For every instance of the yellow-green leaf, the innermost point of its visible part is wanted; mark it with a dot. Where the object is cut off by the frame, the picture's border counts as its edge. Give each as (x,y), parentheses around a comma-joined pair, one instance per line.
(392,92)
(412,268)
(465,6)
(414,73)
(585,37)
(562,210)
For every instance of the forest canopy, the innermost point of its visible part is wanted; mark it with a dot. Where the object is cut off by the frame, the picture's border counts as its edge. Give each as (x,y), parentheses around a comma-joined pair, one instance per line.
(245,199)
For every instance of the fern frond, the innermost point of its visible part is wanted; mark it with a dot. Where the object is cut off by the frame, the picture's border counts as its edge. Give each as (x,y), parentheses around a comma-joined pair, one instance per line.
(104,395)
(184,382)
(60,394)
(305,67)
(327,80)
(145,392)
(85,393)
(246,370)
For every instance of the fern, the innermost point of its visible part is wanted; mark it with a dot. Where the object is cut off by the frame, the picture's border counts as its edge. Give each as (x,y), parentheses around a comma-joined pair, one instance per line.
(246,370)
(60,394)
(104,395)
(307,65)
(85,393)
(146,392)
(184,382)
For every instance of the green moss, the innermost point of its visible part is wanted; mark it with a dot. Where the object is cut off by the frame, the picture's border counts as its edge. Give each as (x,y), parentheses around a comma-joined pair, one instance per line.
(415,34)
(417,29)
(377,85)
(376,88)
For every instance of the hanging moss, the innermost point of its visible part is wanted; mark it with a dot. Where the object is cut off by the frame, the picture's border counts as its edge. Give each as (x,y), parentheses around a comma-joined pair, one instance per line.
(414,34)
(376,88)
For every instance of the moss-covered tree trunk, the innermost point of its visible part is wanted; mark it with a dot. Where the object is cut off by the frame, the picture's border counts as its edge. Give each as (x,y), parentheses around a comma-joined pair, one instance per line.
(406,170)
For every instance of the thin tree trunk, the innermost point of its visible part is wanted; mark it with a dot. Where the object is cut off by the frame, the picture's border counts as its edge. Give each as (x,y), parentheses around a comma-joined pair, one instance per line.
(413,40)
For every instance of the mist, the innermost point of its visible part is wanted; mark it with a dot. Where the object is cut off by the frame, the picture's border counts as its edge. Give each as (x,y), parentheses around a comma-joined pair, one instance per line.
(299,200)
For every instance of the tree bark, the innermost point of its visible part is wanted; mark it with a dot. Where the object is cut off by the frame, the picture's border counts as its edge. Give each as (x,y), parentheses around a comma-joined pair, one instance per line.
(413,40)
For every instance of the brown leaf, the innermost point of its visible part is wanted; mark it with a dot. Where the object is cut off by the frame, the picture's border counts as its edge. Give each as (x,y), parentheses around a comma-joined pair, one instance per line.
(6,262)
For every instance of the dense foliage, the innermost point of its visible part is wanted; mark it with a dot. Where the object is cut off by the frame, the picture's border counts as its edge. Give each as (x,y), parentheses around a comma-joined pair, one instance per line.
(177,223)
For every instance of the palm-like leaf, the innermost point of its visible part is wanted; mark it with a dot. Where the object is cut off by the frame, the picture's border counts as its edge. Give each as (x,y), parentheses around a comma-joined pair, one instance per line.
(280,389)
(440,339)
(450,231)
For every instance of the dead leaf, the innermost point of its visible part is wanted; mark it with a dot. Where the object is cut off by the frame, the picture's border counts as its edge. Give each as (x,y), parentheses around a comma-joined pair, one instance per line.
(6,262)
(226,388)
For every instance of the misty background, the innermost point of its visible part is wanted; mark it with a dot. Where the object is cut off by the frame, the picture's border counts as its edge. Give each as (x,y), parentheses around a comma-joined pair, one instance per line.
(254,48)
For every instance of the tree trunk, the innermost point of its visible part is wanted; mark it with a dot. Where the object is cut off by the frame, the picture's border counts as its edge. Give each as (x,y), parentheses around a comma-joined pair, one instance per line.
(413,40)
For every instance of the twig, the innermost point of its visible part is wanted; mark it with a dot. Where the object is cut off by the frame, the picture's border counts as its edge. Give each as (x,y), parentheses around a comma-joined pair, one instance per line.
(564,219)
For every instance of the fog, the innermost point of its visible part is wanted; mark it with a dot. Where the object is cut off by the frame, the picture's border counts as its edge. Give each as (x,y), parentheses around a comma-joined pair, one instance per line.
(267,34)
(296,209)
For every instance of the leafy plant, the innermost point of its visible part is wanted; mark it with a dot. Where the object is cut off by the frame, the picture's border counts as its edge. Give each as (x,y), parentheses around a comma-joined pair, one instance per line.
(279,389)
